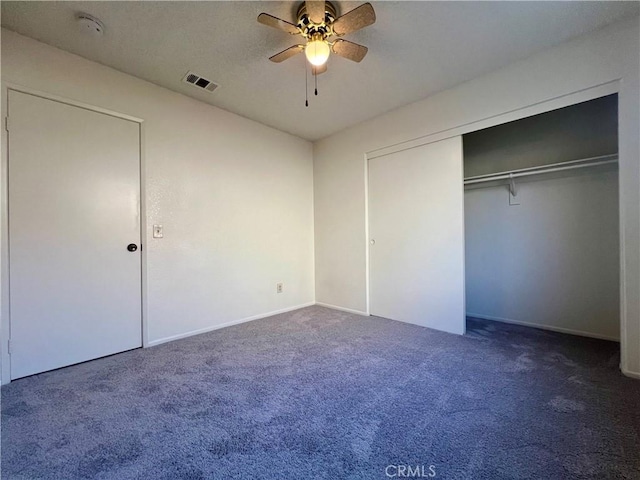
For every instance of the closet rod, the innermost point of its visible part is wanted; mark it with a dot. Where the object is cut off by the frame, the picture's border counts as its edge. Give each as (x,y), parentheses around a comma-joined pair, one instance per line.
(554,167)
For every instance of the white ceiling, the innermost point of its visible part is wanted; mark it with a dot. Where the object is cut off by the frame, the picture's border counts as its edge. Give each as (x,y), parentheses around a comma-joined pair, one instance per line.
(415,50)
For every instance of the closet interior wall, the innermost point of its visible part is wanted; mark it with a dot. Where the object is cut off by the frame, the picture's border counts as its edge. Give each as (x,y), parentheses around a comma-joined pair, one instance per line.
(548,257)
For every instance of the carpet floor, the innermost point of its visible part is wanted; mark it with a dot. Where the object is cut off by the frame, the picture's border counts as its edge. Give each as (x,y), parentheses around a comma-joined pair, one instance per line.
(321,394)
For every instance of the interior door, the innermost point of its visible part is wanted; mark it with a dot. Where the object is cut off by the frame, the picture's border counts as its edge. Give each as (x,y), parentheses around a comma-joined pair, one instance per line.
(74,208)
(416,226)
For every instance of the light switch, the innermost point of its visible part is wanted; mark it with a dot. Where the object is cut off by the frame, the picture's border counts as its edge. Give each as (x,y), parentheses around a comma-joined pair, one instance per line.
(157,231)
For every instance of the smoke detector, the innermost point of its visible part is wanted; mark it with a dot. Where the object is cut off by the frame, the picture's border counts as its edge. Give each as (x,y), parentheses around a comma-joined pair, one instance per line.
(90,25)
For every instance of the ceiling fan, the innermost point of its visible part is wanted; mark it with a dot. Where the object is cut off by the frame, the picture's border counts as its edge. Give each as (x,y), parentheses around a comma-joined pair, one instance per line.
(317,22)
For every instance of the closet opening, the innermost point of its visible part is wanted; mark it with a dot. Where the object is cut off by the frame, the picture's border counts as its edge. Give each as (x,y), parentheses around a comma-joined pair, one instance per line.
(541,208)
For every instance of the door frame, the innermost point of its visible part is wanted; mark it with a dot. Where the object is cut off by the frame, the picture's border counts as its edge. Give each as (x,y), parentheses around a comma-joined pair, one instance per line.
(551,104)
(5,287)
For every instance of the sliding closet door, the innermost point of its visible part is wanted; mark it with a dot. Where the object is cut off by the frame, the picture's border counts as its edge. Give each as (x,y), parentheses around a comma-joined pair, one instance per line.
(416,226)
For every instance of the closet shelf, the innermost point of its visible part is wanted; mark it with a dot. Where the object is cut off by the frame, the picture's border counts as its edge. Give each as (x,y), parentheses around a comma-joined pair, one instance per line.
(553,167)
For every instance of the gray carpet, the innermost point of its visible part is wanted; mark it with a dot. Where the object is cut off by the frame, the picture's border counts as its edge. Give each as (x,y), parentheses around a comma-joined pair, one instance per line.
(320,394)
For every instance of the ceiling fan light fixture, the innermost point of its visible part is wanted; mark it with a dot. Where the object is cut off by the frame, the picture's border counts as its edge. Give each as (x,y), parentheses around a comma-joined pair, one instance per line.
(317,51)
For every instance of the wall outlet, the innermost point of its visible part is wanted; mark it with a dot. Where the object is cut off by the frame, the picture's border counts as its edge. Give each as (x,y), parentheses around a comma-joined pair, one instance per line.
(278,288)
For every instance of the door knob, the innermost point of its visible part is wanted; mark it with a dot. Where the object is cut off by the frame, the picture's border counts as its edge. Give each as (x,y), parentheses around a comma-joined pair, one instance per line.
(132,247)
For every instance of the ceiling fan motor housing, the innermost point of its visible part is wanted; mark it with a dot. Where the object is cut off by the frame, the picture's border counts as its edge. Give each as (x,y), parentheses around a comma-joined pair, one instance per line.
(308,28)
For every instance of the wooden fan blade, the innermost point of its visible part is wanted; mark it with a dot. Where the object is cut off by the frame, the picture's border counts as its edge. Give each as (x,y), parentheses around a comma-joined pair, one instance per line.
(358,18)
(275,22)
(349,50)
(319,70)
(315,10)
(288,53)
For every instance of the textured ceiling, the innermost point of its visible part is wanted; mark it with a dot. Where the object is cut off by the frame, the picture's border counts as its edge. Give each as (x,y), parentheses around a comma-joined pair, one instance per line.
(415,50)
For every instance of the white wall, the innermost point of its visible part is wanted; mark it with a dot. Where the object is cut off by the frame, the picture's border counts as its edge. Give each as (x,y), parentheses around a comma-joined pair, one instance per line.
(553,260)
(605,56)
(235,197)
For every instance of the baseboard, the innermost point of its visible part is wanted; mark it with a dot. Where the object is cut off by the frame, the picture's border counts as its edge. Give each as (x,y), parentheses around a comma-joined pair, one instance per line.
(227,324)
(630,374)
(342,309)
(544,327)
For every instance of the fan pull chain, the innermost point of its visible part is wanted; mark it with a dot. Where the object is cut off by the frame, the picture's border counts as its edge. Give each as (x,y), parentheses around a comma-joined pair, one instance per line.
(316,77)
(306,82)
